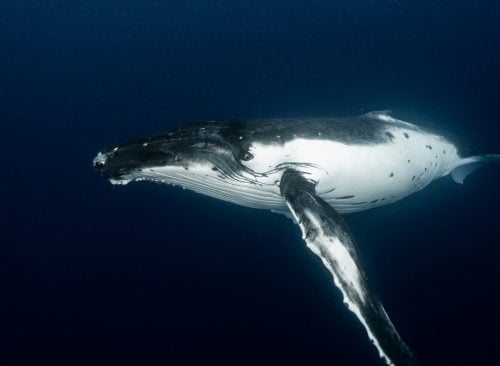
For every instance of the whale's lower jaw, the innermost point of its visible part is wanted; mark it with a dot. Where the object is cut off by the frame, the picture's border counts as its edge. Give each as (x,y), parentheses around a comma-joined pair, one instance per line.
(242,190)
(259,191)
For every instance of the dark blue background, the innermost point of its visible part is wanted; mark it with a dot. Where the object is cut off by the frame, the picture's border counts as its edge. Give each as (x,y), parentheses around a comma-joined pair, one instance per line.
(155,275)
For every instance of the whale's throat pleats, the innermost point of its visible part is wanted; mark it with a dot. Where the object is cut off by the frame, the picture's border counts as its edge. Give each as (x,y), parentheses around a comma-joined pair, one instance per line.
(327,235)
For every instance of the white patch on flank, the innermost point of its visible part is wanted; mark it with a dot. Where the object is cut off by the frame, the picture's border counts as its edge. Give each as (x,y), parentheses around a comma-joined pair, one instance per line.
(374,174)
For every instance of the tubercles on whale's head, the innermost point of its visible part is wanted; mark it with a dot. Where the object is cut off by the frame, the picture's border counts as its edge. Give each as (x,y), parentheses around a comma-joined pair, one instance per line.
(152,158)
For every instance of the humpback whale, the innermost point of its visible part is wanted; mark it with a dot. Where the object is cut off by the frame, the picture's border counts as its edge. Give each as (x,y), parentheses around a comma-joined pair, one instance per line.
(312,170)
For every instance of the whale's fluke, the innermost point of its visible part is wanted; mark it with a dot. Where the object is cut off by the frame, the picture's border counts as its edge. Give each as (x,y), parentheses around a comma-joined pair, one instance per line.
(470,164)
(328,236)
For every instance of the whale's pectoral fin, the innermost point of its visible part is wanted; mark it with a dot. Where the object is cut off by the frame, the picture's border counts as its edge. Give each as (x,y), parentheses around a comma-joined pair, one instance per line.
(328,236)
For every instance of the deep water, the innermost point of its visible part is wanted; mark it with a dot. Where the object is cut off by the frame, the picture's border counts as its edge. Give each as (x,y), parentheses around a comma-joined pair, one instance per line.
(96,274)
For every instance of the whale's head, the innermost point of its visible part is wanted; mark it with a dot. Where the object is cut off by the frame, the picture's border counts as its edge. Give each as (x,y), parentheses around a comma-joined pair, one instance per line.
(182,156)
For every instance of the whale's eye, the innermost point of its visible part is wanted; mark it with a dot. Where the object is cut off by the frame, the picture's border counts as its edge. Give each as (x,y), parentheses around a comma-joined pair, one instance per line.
(247,156)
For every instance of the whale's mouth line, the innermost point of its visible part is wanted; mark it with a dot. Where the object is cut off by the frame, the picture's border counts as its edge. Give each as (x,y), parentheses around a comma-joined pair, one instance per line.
(226,173)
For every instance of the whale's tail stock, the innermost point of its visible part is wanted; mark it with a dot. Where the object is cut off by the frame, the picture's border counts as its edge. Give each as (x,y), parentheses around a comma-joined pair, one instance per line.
(470,164)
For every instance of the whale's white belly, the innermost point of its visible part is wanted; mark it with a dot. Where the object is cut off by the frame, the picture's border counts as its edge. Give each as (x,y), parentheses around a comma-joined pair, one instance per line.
(358,177)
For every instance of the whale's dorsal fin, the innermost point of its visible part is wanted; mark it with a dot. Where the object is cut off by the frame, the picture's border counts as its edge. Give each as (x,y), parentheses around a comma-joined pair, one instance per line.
(328,236)
(384,113)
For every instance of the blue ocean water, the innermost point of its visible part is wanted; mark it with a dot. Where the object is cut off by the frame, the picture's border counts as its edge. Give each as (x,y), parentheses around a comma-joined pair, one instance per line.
(157,275)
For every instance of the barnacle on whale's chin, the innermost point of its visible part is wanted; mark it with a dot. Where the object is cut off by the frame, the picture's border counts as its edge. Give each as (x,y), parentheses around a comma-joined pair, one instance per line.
(121,182)
(126,179)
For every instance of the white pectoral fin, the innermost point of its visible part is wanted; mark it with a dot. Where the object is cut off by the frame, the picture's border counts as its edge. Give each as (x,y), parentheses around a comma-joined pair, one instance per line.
(327,235)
